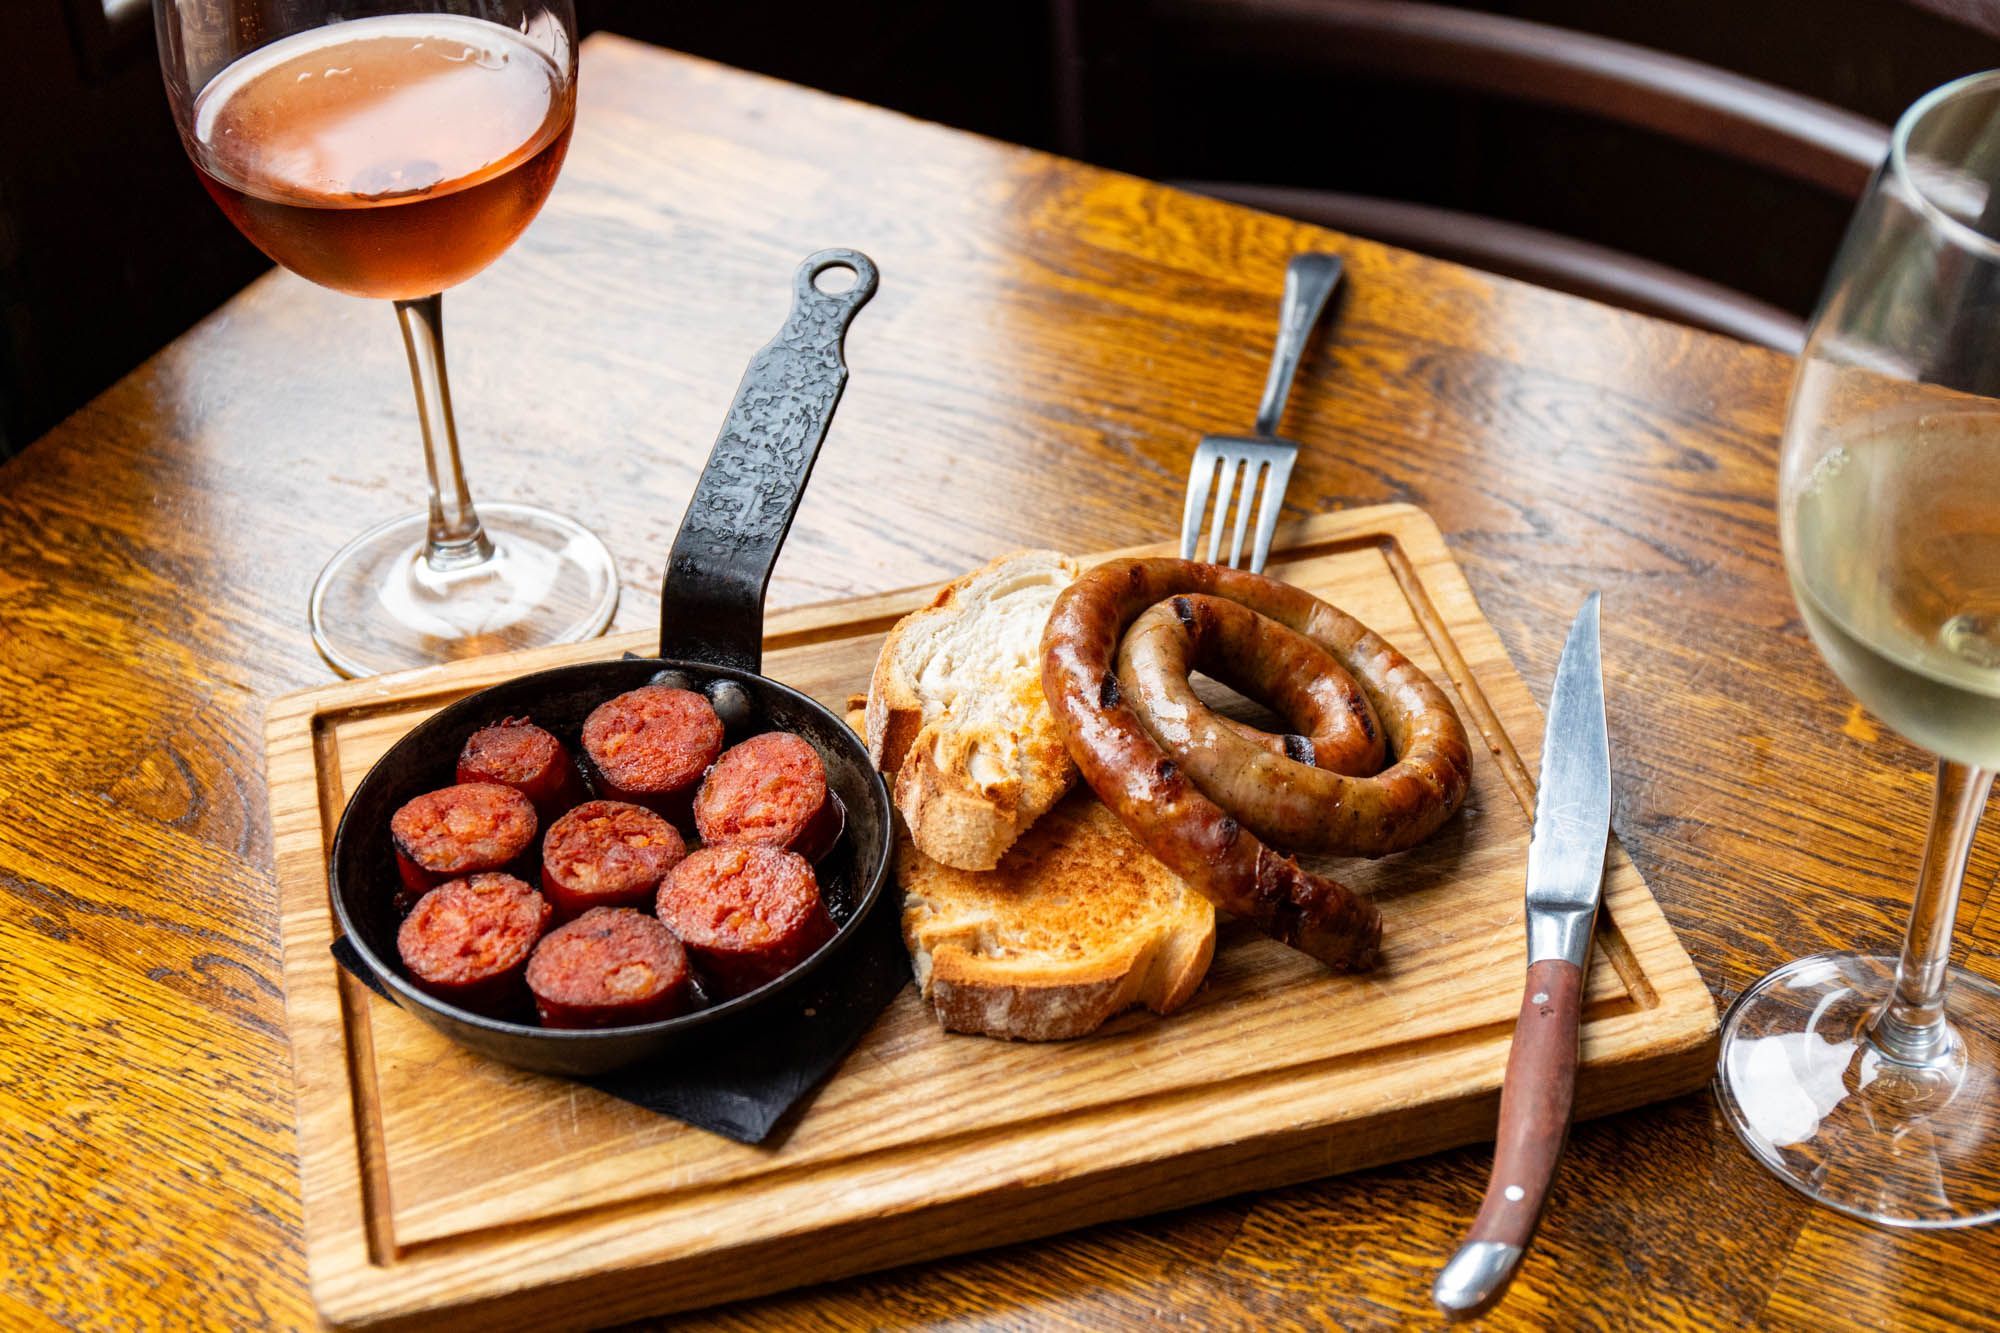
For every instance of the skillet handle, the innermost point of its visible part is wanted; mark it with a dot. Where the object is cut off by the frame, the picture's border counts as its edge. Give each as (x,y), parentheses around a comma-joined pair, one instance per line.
(712,608)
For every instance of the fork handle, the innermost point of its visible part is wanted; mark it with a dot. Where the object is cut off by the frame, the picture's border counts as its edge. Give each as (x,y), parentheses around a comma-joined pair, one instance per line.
(1309,281)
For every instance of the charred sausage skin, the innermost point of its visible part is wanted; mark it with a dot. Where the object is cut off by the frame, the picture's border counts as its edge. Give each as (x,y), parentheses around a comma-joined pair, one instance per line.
(1277,666)
(1184,826)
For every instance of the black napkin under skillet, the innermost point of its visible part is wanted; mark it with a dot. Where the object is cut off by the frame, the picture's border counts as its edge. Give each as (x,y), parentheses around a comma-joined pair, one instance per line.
(742,1085)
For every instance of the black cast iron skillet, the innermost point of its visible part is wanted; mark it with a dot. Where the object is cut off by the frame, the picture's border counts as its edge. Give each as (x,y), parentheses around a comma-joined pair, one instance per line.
(711,632)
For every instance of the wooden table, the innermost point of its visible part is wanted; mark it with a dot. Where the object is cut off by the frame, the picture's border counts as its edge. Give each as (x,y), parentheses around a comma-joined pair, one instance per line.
(1047,342)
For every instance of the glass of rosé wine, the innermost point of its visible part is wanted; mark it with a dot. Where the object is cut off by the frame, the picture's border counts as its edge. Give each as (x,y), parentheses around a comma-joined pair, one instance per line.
(392,149)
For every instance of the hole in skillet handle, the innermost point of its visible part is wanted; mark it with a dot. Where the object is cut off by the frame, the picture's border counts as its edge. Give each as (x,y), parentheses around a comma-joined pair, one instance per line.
(833,279)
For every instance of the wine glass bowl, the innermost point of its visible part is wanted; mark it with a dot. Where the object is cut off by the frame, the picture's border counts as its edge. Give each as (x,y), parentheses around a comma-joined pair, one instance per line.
(392,149)
(290,141)
(1867,1082)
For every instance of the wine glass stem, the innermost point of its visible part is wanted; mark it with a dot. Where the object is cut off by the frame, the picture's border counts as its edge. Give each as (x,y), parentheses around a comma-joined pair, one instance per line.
(455,538)
(1910,1027)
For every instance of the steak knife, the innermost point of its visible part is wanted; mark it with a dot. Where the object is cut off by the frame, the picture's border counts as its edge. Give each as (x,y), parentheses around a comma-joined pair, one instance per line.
(1565,885)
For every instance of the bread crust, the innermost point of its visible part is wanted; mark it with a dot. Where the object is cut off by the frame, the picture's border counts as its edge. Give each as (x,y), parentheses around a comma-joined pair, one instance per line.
(1077,923)
(968,786)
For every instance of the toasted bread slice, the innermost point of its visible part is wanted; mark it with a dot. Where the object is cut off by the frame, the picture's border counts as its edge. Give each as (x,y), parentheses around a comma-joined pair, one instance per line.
(956,717)
(1077,923)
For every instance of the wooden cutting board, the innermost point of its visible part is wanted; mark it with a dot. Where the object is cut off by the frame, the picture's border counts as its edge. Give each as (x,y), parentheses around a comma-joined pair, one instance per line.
(446,1190)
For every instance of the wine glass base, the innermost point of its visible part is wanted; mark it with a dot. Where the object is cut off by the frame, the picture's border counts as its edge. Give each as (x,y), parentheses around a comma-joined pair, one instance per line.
(1837,1119)
(379,606)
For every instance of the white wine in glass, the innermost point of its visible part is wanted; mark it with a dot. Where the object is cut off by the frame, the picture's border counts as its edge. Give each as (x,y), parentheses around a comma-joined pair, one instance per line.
(1868,1081)
(392,149)
(1896,566)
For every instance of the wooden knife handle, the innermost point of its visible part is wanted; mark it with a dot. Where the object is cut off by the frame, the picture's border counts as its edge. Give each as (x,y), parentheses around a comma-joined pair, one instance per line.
(1535,1104)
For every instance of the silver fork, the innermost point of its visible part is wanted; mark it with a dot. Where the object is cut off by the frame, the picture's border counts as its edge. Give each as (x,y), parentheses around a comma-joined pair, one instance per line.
(1309,281)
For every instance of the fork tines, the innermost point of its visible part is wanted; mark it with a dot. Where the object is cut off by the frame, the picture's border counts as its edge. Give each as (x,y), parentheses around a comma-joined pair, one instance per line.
(1250,462)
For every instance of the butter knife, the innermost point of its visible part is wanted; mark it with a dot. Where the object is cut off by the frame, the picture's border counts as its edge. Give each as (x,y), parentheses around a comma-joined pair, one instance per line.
(1565,885)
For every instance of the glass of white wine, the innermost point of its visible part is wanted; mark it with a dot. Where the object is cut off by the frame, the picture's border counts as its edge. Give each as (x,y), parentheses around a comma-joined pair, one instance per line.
(1869,1083)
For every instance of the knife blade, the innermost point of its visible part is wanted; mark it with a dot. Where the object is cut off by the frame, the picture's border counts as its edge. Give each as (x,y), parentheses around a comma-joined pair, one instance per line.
(1565,886)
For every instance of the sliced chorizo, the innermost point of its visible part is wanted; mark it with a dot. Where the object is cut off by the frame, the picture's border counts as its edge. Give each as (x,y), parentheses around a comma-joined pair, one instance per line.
(747,913)
(607,854)
(651,745)
(516,753)
(467,941)
(460,830)
(770,789)
(610,967)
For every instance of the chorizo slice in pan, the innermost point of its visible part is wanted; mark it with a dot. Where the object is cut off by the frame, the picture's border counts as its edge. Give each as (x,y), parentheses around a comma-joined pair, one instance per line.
(747,913)
(516,753)
(610,967)
(460,830)
(607,854)
(467,941)
(770,789)
(651,745)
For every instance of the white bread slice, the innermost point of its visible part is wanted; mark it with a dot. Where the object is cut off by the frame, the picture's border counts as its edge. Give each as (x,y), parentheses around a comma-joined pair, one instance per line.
(1077,923)
(956,719)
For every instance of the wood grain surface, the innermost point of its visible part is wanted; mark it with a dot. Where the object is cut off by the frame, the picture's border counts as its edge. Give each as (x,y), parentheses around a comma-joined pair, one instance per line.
(556,1204)
(1047,343)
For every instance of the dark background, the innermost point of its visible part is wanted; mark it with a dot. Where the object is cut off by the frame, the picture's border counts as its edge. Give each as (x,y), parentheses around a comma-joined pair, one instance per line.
(109,248)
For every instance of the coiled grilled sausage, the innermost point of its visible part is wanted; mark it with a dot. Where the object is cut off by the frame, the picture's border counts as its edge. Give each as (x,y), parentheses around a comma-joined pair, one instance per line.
(1199,839)
(1280,668)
